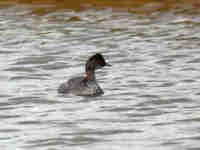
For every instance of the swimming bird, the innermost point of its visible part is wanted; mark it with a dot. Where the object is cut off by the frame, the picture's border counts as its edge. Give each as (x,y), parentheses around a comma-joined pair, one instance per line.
(86,85)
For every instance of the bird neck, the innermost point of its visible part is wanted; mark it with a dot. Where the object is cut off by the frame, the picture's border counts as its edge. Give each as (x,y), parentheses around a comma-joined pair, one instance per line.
(90,75)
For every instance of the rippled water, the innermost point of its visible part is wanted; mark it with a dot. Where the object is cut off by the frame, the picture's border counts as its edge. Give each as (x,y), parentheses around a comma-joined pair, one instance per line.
(152,91)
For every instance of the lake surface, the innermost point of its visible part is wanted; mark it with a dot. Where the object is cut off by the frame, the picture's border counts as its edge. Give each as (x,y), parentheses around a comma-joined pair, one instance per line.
(152,90)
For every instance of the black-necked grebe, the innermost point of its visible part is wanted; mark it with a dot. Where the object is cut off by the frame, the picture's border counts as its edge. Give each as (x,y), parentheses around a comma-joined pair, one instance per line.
(86,86)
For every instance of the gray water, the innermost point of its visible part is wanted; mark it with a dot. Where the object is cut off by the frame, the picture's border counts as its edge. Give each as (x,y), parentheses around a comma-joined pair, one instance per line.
(152,90)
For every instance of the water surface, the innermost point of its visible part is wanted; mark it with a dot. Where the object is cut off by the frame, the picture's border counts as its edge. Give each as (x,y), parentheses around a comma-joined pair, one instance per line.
(151,98)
